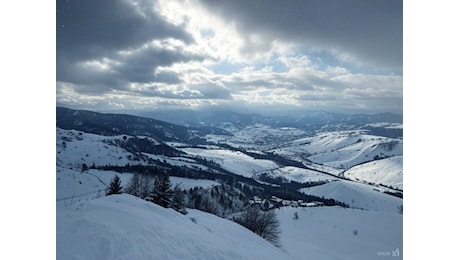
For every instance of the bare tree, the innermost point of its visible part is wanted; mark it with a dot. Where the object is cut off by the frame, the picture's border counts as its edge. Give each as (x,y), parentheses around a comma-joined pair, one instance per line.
(178,200)
(264,224)
(146,185)
(140,185)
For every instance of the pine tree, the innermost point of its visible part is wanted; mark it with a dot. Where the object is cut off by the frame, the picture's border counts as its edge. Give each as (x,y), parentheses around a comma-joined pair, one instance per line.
(162,193)
(178,200)
(115,186)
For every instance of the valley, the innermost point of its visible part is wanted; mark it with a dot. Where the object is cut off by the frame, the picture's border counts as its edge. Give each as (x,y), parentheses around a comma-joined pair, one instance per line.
(354,173)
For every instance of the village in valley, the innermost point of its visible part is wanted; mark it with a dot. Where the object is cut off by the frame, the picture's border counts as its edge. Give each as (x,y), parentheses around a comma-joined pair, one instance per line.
(275,202)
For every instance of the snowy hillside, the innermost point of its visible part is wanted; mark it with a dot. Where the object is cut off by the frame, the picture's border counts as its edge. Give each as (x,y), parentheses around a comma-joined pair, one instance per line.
(342,149)
(253,162)
(74,186)
(357,195)
(126,227)
(74,148)
(338,233)
(292,173)
(102,230)
(258,136)
(388,171)
(235,162)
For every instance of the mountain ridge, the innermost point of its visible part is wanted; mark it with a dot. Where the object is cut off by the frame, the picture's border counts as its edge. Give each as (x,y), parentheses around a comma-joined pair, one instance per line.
(117,124)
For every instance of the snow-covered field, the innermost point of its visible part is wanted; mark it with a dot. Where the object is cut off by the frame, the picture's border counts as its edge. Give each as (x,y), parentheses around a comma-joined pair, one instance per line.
(299,175)
(74,186)
(388,171)
(126,227)
(177,161)
(232,161)
(75,148)
(90,225)
(339,233)
(186,184)
(342,149)
(357,195)
(258,136)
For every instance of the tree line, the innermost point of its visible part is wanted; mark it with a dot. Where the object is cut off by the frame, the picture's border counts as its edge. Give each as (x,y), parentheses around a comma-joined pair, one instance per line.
(156,189)
(249,186)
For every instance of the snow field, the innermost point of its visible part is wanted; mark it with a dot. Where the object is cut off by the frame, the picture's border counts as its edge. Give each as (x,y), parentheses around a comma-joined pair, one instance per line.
(87,148)
(342,149)
(356,195)
(126,227)
(388,171)
(74,186)
(235,162)
(300,175)
(339,233)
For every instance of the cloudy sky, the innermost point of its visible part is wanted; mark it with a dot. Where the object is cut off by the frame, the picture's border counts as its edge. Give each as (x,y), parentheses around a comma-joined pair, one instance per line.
(247,56)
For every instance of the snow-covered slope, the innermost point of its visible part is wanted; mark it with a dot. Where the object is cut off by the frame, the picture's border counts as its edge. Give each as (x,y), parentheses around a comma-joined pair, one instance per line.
(185,183)
(235,162)
(74,148)
(298,174)
(92,226)
(74,186)
(257,136)
(342,149)
(388,171)
(126,227)
(338,233)
(356,195)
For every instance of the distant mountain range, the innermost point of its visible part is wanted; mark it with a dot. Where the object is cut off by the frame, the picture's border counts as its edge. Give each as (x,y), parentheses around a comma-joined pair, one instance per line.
(295,119)
(117,124)
(191,126)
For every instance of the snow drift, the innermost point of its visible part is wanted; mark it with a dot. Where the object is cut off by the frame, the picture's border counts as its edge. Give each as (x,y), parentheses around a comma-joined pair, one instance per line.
(126,227)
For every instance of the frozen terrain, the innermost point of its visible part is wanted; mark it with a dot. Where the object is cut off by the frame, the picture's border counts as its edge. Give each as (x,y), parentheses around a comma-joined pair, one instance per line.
(259,136)
(90,225)
(75,148)
(233,161)
(126,227)
(341,149)
(388,171)
(74,186)
(338,233)
(357,195)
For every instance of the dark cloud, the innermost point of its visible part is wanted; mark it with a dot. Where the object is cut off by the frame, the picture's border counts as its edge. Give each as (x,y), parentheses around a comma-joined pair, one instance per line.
(365,32)
(119,35)
(93,28)
(140,66)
